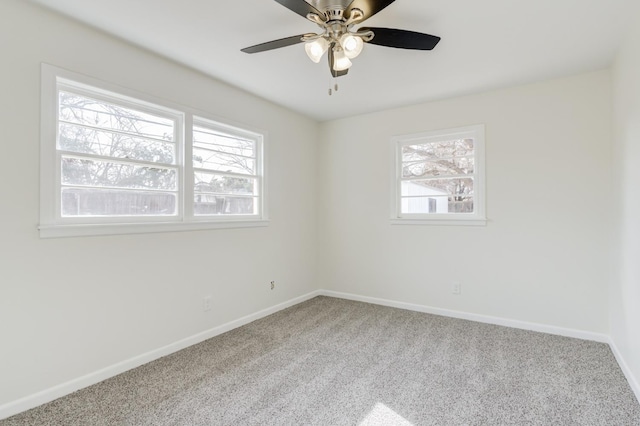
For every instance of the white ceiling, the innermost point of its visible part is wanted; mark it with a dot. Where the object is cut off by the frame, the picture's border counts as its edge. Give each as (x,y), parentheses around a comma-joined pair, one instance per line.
(486,44)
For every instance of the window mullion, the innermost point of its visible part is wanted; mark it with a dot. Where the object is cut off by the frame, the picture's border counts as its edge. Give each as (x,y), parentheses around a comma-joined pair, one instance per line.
(257,190)
(58,188)
(218,173)
(428,196)
(188,179)
(115,131)
(262,179)
(119,188)
(435,160)
(439,177)
(216,151)
(116,160)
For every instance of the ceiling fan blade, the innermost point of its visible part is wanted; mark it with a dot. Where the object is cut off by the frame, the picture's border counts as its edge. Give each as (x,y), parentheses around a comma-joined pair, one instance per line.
(368,7)
(335,73)
(403,39)
(300,7)
(275,44)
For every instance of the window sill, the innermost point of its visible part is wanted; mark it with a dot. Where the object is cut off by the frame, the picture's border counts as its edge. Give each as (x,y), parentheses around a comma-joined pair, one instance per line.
(441,222)
(81,230)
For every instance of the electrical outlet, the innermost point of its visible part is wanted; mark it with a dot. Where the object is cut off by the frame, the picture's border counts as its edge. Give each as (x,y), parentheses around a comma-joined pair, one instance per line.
(206,303)
(456,287)
(273,285)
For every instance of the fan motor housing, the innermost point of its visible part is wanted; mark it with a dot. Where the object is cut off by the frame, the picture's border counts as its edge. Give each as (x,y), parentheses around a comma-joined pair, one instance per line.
(333,9)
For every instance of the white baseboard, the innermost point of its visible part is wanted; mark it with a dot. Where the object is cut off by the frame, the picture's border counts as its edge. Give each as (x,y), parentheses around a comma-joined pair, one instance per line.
(66,388)
(633,382)
(543,328)
(71,386)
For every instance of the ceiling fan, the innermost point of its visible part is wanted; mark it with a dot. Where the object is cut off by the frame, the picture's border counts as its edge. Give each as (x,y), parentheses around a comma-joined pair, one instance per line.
(339,38)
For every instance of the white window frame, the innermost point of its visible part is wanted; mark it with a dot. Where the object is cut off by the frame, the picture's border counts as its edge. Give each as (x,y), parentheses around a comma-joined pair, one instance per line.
(477,218)
(53,224)
(258,140)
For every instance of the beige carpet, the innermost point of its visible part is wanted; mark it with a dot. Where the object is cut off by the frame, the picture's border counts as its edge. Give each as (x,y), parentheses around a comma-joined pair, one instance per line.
(335,362)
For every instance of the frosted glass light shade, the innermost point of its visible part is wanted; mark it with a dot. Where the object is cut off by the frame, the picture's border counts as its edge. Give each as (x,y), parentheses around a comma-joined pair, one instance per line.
(340,60)
(316,48)
(352,45)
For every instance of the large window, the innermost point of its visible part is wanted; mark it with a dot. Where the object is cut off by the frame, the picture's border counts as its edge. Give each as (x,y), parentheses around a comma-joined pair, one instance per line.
(114,162)
(439,177)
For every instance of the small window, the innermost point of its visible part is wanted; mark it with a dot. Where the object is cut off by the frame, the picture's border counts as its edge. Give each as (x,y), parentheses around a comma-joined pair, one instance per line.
(227,174)
(116,162)
(439,177)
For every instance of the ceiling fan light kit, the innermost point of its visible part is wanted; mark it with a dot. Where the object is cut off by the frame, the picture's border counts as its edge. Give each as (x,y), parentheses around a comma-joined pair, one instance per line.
(316,48)
(341,62)
(336,18)
(352,44)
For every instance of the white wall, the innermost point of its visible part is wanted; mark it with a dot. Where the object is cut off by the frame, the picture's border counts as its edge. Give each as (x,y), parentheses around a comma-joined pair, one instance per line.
(543,256)
(624,304)
(69,307)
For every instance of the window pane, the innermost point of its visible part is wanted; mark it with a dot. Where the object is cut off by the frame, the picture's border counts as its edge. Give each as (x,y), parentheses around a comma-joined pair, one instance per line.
(457,166)
(221,162)
(453,187)
(88,140)
(212,183)
(212,140)
(84,172)
(104,202)
(104,115)
(457,194)
(433,150)
(210,204)
(434,204)
(461,204)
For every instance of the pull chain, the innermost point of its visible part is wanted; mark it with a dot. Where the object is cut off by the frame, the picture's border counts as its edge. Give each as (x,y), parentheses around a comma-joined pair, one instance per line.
(335,87)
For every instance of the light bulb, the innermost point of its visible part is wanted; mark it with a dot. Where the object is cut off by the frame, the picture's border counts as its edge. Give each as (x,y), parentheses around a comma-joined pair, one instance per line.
(316,48)
(340,60)
(352,45)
